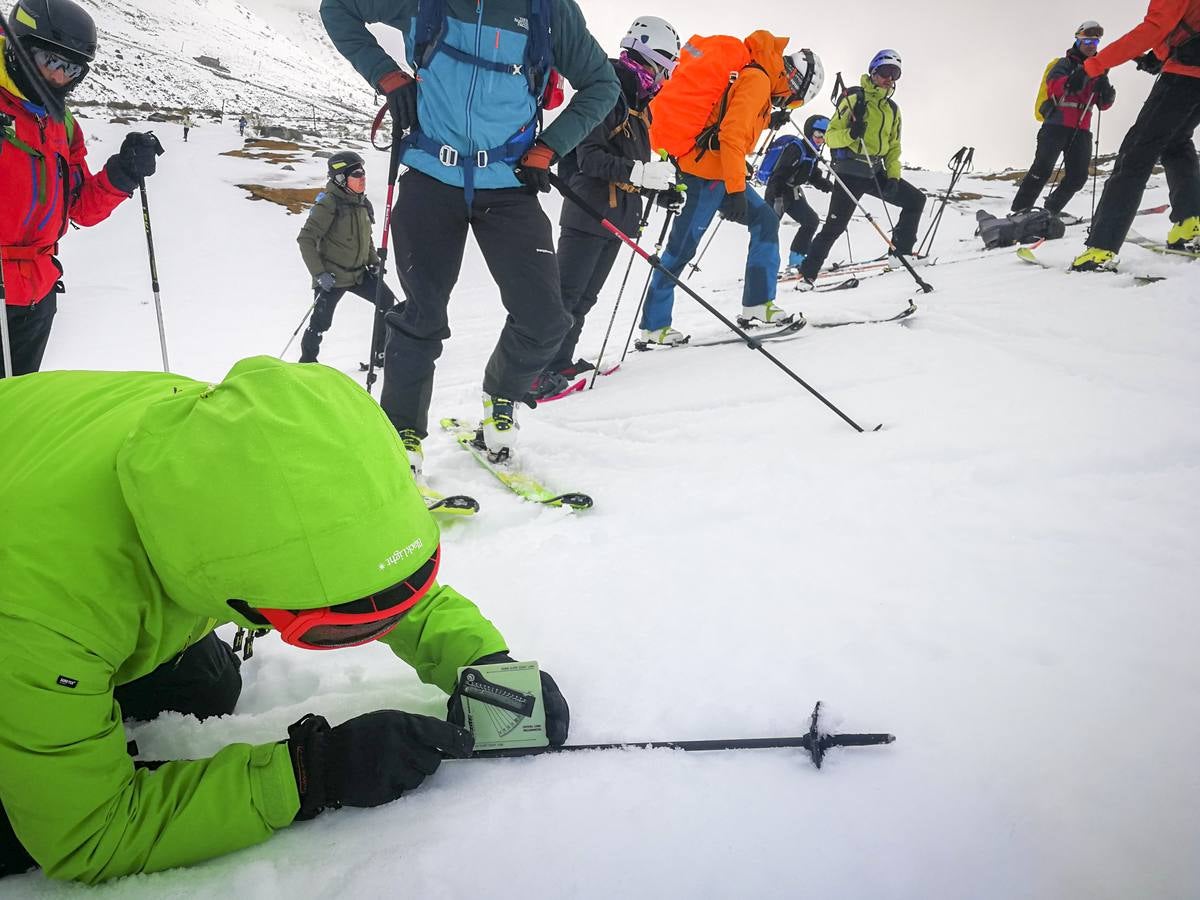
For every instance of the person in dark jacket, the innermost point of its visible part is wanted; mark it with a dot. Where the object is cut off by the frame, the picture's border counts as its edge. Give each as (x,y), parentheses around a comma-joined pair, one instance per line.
(797,166)
(476,159)
(1067,125)
(610,169)
(337,248)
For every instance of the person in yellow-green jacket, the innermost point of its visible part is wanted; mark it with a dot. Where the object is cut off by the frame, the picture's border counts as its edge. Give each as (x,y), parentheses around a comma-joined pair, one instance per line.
(864,143)
(140,511)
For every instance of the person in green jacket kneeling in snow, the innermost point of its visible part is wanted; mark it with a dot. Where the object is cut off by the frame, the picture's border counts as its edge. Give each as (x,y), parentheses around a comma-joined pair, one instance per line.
(141,511)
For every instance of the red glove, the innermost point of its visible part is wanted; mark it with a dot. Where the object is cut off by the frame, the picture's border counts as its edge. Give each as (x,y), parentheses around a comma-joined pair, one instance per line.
(533,170)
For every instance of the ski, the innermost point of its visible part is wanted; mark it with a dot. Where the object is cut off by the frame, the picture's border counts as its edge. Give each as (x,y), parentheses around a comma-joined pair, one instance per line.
(1154,246)
(452,505)
(1026,254)
(903,314)
(1149,211)
(520,483)
(801,323)
(846,285)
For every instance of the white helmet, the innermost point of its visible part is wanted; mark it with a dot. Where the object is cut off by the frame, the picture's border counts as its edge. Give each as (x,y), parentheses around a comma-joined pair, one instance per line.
(885,58)
(805,74)
(1089,29)
(655,40)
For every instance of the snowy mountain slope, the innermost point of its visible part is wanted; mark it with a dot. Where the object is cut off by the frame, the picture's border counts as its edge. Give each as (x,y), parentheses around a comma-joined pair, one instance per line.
(1004,576)
(280,63)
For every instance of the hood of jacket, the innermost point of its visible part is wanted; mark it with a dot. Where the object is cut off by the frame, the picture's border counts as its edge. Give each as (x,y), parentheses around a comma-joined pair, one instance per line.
(766,51)
(873,92)
(284,485)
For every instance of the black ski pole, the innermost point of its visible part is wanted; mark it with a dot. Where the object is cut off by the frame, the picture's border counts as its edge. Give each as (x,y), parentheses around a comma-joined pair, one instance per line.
(925,286)
(814,742)
(637,314)
(656,264)
(379,325)
(162,334)
(955,163)
(1095,166)
(967,166)
(621,293)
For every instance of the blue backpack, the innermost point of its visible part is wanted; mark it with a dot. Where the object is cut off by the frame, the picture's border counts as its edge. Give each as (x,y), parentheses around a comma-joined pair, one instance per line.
(771,158)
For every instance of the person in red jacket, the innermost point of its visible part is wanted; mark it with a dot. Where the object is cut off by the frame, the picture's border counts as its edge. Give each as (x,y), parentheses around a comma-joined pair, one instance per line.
(44,178)
(1066,125)
(1166,43)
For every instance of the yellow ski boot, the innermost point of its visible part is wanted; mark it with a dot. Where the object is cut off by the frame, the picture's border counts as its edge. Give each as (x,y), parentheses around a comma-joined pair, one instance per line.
(1095,260)
(1185,235)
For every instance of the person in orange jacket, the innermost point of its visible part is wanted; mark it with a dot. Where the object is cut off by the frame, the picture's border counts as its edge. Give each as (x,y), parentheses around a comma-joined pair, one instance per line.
(716,182)
(1167,44)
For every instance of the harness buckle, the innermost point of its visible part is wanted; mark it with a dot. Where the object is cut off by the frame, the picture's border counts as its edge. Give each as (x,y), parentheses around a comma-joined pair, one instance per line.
(518,69)
(447,155)
(481,159)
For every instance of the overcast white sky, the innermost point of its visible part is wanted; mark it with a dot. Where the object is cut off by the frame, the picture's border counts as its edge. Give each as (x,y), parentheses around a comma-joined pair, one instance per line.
(971,68)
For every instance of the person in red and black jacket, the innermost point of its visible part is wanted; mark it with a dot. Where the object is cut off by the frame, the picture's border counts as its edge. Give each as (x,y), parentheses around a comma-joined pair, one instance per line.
(44,178)
(1167,44)
(1067,127)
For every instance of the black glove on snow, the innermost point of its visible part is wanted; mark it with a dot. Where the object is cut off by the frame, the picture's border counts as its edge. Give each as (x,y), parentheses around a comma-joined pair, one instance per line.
(1148,62)
(890,189)
(779,118)
(369,760)
(134,161)
(558,714)
(1076,80)
(400,91)
(734,208)
(326,281)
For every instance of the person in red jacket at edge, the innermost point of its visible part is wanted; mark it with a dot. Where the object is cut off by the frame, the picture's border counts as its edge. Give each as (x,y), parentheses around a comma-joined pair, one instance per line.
(44,179)
(1166,44)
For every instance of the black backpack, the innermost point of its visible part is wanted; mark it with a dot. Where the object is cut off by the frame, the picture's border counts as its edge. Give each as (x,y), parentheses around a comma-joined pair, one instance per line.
(1018,228)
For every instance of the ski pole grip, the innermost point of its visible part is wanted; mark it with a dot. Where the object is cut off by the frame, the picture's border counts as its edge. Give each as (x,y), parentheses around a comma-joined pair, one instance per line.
(857,740)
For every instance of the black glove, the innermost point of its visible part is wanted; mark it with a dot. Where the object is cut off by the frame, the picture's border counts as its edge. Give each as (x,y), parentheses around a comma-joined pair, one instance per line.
(134,161)
(734,208)
(558,714)
(858,123)
(400,91)
(672,201)
(369,760)
(890,189)
(821,183)
(779,118)
(325,282)
(1148,62)
(534,169)
(1076,80)
(779,205)
(1106,94)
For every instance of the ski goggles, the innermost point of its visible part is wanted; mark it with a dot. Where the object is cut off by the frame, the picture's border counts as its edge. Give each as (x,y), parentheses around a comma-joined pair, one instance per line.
(1088,41)
(357,172)
(53,62)
(887,71)
(356,622)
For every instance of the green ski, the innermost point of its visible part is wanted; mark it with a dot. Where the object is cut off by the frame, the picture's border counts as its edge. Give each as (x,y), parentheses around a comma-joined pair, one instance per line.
(520,483)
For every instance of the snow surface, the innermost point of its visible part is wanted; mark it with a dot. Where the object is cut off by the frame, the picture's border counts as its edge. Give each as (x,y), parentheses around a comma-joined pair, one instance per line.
(1004,576)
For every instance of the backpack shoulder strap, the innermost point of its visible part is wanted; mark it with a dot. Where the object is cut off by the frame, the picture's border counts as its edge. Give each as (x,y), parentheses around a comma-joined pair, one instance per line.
(69,124)
(539,50)
(429,31)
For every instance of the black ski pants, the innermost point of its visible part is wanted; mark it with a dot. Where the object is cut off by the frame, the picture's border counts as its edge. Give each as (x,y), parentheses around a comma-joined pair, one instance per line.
(28,333)
(1162,133)
(584,263)
(430,222)
(841,207)
(799,210)
(325,306)
(203,681)
(1053,141)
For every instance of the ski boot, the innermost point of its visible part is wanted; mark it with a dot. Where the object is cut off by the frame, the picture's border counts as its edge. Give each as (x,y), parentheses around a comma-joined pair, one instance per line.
(310,346)
(795,261)
(1185,235)
(498,430)
(804,285)
(1095,260)
(412,447)
(548,384)
(662,337)
(577,368)
(764,314)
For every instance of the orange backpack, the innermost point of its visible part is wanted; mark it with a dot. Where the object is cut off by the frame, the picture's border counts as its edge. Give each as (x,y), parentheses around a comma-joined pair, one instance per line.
(708,68)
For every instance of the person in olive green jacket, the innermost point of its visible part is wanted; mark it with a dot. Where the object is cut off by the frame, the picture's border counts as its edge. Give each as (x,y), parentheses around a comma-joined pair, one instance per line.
(142,510)
(864,143)
(336,245)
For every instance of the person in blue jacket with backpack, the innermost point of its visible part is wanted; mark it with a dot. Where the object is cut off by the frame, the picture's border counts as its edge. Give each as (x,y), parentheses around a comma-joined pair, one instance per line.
(469,125)
(788,166)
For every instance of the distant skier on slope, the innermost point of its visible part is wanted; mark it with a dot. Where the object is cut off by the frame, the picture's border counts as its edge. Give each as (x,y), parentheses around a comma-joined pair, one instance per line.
(794,166)
(713,161)
(864,142)
(148,509)
(1066,130)
(186,122)
(45,181)
(242,126)
(337,247)
(477,162)
(611,168)
(1166,42)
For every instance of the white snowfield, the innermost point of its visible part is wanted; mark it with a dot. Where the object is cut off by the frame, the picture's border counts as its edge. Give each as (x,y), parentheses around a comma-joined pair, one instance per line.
(1005,576)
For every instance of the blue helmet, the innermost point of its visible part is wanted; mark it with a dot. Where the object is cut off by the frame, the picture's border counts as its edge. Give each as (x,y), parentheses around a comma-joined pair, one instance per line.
(815,123)
(885,58)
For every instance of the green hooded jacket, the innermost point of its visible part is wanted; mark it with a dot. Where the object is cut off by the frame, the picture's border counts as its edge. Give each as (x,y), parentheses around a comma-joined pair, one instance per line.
(132,506)
(336,236)
(881,139)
